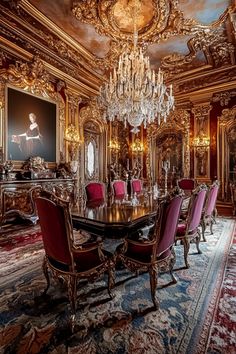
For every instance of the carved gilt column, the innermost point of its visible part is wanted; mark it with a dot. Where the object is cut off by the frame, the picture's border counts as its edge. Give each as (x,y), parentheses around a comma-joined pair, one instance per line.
(225,131)
(72,117)
(201,142)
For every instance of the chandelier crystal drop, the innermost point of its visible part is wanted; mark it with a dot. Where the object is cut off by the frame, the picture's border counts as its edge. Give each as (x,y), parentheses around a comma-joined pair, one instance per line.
(134,92)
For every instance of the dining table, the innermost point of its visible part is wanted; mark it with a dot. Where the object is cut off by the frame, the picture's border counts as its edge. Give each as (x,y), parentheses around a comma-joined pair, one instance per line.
(116,218)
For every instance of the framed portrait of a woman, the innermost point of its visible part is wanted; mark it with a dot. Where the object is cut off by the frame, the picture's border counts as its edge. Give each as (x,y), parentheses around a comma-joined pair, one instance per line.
(31,126)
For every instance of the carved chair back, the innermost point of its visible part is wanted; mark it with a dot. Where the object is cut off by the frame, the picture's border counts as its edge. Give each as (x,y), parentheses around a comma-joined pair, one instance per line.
(211,199)
(67,252)
(186,184)
(119,188)
(136,186)
(95,191)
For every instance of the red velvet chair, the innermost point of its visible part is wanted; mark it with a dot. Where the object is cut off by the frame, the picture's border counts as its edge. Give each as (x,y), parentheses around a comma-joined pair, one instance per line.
(119,188)
(188,230)
(136,186)
(66,258)
(95,191)
(157,253)
(187,185)
(208,215)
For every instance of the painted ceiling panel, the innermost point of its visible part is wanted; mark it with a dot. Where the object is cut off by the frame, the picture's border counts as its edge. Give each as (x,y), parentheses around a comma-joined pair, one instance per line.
(204,11)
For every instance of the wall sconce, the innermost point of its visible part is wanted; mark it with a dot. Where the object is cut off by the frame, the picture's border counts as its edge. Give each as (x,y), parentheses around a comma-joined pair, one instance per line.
(73,138)
(114,145)
(137,146)
(201,142)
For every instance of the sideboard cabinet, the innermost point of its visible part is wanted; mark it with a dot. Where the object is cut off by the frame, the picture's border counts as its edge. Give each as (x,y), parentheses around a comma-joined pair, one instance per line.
(17,197)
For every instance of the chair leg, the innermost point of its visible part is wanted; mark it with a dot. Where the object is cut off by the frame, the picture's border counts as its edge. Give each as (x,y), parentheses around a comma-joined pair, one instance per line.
(186,245)
(72,294)
(171,266)
(153,284)
(46,274)
(198,242)
(203,224)
(211,226)
(111,280)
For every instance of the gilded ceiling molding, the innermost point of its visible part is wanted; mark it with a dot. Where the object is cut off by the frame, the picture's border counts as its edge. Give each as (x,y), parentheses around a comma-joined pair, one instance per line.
(167,19)
(213,42)
(202,80)
(223,97)
(47,43)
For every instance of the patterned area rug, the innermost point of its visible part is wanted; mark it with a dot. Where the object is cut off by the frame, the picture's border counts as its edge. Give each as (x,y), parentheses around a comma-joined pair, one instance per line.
(219,330)
(31,323)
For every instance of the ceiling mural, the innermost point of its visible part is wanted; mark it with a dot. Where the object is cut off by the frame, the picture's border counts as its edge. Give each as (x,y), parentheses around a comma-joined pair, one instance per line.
(180,36)
(170,31)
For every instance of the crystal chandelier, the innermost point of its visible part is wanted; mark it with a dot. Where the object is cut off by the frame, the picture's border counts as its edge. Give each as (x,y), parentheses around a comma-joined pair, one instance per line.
(135,93)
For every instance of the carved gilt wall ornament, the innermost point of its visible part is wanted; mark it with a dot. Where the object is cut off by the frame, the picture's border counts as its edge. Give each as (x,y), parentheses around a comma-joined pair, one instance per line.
(190,85)
(226,150)
(179,122)
(227,115)
(223,97)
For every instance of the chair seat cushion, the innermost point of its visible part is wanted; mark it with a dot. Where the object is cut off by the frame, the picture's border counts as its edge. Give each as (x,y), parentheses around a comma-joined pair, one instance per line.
(88,260)
(181,229)
(139,253)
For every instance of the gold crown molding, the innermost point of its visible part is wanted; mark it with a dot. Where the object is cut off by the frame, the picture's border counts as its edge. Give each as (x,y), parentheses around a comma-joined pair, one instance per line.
(14,50)
(15,53)
(208,81)
(48,45)
(30,9)
(204,94)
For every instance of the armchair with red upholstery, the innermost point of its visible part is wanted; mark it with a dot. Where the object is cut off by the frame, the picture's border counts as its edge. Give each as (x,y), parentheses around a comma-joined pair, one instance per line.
(209,211)
(68,255)
(188,230)
(157,253)
(119,188)
(95,191)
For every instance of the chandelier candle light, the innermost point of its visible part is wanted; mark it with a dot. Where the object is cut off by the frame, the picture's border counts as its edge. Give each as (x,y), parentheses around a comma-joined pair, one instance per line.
(135,93)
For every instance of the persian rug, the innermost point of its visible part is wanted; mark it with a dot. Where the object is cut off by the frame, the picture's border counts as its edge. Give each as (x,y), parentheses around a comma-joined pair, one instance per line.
(219,330)
(32,323)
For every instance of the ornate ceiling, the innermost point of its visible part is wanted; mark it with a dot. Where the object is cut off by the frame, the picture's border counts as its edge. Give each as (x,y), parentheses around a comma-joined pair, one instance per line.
(193,41)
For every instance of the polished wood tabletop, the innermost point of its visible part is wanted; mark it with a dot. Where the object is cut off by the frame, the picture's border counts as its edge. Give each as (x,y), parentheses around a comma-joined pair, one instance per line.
(121,215)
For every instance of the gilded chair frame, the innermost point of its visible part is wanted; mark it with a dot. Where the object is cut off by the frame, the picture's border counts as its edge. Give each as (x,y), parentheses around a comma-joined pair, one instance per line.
(71,275)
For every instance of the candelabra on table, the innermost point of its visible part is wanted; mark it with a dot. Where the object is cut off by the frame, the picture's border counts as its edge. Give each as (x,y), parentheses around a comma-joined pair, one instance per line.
(166,167)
